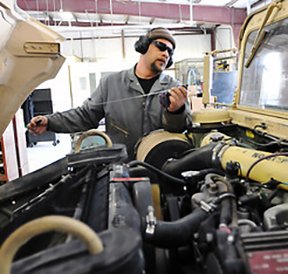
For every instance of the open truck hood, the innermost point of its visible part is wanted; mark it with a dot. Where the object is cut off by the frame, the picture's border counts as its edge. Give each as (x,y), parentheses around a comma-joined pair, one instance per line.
(29,55)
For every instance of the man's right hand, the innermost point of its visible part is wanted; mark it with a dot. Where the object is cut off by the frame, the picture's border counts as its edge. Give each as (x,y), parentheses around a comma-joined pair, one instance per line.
(38,124)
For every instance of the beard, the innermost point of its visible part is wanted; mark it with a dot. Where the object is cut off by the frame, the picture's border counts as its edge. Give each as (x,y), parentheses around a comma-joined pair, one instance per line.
(155,68)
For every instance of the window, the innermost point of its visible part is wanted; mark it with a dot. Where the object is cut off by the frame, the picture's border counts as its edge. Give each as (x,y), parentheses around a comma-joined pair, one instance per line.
(265,81)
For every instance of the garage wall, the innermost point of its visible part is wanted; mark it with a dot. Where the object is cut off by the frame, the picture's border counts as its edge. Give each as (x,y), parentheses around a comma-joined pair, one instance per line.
(76,79)
(99,49)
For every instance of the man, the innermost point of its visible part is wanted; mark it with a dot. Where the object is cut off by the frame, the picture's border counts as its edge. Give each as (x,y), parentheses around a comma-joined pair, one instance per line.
(129,99)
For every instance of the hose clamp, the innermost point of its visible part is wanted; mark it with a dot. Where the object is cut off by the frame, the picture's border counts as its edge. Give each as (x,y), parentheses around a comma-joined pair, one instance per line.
(150,221)
(207,207)
(217,153)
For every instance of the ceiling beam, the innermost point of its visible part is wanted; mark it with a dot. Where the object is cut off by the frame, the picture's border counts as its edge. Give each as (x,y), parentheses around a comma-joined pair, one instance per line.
(211,14)
(216,15)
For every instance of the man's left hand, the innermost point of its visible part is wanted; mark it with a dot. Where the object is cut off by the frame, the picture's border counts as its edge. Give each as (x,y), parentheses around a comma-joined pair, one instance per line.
(178,97)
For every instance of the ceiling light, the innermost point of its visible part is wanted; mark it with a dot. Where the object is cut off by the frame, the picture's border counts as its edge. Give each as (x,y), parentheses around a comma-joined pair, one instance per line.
(66,15)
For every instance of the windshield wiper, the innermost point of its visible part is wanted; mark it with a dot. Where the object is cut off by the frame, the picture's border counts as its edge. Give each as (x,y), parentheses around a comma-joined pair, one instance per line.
(261,34)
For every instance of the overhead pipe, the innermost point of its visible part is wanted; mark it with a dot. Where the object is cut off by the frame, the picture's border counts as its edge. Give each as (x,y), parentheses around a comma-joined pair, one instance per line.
(139,11)
(111,11)
(191,12)
(248,5)
(123,44)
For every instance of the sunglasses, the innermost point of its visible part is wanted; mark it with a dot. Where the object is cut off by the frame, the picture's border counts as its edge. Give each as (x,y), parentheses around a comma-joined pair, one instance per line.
(162,47)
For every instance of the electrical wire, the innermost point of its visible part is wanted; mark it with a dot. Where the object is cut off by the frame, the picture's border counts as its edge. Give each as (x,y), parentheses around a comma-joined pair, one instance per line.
(158,171)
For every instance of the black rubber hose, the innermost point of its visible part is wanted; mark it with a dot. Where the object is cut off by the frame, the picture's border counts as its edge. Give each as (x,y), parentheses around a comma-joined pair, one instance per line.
(178,233)
(223,186)
(158,171)
(233,205)
(196,160)
(225,212)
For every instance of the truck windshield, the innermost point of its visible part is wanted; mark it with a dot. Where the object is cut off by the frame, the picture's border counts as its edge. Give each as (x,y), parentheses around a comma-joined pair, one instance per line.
(265,81)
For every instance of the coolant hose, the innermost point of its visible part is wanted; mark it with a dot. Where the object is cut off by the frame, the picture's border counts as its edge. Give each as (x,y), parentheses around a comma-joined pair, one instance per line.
(42,225)
(177,233)
(223,187)
(225,209)
(196,160)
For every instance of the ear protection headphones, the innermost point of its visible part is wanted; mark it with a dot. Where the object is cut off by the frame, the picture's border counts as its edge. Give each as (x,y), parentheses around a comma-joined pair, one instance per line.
(142,44)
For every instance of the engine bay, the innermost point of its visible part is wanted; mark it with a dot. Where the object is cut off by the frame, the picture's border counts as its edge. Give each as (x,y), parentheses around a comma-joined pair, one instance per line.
(217,208)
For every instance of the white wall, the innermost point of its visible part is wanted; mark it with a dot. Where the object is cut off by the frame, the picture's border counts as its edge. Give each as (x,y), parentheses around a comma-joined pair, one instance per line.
(106,54)
(110,49)
(60,89)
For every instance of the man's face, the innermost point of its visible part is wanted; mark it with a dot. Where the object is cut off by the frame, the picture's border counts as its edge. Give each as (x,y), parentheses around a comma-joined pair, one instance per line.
(158,54)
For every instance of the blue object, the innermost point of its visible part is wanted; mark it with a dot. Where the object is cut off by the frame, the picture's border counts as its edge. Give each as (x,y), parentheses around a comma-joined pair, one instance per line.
(224,85)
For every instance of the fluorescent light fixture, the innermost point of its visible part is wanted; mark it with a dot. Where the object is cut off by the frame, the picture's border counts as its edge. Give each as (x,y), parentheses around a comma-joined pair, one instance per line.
(66,15)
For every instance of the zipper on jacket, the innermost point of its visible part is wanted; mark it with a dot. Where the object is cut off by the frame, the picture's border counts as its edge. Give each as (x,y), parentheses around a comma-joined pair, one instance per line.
(126,133)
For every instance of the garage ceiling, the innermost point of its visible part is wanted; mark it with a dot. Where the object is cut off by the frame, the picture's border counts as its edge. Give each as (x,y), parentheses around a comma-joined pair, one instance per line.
(134,16)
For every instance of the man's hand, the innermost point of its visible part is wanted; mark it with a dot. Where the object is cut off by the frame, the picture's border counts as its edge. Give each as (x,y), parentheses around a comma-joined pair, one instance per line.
(38,124)
(178,97)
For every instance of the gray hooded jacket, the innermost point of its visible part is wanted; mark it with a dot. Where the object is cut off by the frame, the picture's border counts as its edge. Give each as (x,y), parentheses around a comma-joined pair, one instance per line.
(128,114)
